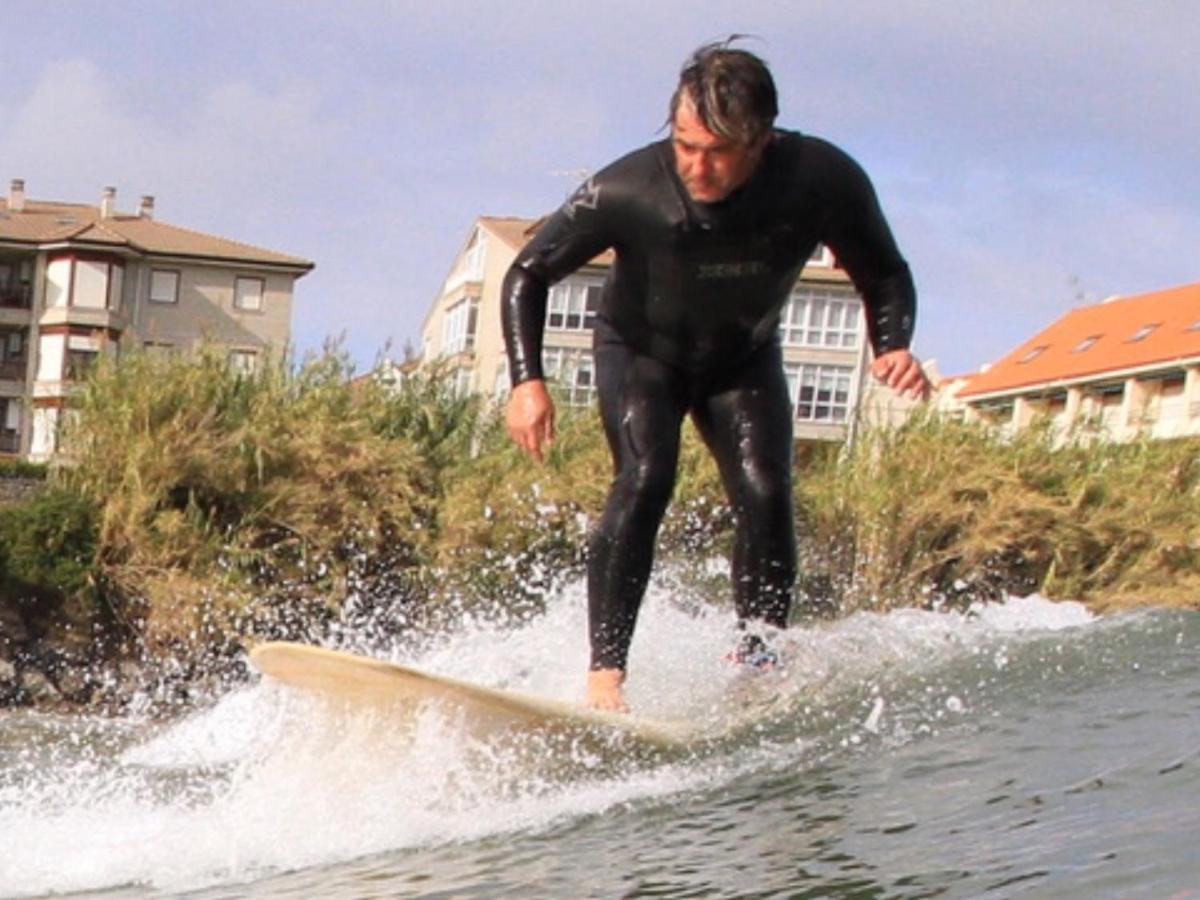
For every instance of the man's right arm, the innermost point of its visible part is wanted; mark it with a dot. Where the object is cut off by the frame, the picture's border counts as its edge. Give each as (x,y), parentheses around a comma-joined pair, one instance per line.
(567,240)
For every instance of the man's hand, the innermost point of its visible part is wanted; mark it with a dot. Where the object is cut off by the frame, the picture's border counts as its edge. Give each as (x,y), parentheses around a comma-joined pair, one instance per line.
(530,417)
(902,372)
(604,690)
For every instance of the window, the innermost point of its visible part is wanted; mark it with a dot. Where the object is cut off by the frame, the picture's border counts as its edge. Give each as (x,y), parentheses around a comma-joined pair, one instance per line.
(80,361)
(90,286)
(1144,332)
(84,283)
(820,317)
(458,328)
(1032,355)
(243,362)
(473,258)
(248,294)
(821,256)
(159,348)
(12,346)
(572,304)
(573,375)
(164,286)
(58,282)
(470,263)
(1086,344)
(820,393)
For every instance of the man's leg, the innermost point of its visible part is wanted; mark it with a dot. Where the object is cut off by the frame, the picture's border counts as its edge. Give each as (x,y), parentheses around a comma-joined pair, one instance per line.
(746,421)
(642,403)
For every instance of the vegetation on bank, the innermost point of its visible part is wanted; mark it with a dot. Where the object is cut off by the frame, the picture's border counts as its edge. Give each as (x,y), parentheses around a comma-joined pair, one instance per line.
(199,506)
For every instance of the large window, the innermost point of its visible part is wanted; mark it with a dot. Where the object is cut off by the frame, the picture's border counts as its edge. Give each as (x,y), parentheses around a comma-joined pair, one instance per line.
(573,303)
(821,317)
(572,375)
(84,283)
(458,328)
(820,393)
(70,355)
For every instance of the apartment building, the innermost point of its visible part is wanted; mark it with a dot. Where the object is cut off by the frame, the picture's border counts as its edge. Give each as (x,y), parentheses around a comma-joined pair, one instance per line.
(1125,368)
(78,280)
(822,331)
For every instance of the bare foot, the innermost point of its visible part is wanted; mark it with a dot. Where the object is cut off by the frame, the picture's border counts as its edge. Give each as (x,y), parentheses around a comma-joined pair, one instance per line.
(604,690)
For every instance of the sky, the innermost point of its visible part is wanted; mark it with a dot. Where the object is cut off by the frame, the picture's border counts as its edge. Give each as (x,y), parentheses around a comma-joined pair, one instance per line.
(1031,155)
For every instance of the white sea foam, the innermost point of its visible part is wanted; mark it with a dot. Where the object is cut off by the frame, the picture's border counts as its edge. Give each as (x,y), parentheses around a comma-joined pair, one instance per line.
(268,780)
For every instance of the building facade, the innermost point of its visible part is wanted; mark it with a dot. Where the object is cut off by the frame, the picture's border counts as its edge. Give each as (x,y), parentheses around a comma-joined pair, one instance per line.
(822,331)
(78,280)
(1125,368)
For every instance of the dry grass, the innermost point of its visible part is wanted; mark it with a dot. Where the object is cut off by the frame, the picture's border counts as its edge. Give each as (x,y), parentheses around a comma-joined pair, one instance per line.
(221,491)
(945,512)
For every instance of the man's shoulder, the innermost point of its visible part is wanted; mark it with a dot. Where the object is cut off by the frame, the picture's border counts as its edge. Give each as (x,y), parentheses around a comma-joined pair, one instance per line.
(795,146)
(643,163)
(627,180)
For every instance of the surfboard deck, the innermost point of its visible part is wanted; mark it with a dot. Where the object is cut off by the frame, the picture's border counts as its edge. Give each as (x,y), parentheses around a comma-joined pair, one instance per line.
(356,677)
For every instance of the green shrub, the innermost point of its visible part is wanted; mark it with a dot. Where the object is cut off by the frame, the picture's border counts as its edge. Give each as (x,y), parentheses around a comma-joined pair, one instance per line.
(47,545)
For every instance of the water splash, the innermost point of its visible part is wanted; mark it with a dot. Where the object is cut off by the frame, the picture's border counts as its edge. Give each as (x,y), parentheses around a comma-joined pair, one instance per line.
(269,780)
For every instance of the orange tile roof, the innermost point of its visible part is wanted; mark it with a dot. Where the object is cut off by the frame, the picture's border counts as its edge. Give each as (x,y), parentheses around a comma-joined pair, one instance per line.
(44,222)
(1117,336)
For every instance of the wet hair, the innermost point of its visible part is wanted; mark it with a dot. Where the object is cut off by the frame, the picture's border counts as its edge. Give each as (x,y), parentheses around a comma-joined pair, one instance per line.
(732,91)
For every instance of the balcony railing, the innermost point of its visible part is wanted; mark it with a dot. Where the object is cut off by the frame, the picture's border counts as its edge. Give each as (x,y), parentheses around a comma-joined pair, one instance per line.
(17,297)
(13,369)
(10,441)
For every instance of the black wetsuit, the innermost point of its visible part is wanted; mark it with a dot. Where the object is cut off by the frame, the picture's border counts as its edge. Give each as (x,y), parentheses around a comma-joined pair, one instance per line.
(688,323)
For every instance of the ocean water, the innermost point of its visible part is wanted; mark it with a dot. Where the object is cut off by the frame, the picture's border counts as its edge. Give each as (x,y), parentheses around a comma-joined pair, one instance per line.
(1026,749)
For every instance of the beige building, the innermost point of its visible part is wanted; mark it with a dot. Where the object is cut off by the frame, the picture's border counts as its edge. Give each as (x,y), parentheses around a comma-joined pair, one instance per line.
(1125,368)
(822,330)
(79,280)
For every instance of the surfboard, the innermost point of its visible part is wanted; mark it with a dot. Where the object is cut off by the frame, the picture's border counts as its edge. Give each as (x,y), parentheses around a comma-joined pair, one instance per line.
(356,678)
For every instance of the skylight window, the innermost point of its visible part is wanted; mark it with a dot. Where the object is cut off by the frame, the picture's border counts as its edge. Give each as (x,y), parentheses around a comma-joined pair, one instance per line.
(1144,332)
(1086,344)
(1032,354)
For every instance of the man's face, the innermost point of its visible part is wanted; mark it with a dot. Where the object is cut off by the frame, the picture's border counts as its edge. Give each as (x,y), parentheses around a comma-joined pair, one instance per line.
(710,167)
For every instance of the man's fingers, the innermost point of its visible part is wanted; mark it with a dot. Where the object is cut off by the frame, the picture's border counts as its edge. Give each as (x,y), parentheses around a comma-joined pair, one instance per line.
(530,418)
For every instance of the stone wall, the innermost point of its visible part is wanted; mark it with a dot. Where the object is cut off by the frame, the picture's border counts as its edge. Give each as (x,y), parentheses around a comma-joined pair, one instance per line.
(19,489)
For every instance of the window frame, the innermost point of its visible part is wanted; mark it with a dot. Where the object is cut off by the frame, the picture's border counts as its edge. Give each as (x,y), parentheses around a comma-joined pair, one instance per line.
(238,296)
(178,277)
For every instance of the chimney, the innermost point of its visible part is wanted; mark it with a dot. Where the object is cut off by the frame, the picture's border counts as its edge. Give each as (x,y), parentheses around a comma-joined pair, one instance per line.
(146,207)
(108,203)
(16,195)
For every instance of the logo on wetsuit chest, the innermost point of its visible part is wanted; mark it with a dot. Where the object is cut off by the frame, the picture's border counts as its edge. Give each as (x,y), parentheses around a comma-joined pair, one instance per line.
(745,269)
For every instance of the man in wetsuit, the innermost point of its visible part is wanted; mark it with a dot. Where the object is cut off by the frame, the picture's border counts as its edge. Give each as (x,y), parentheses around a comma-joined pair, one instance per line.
(710,230)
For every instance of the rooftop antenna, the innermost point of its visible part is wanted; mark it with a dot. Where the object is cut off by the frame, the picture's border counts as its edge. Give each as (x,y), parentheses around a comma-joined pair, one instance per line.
(577,176)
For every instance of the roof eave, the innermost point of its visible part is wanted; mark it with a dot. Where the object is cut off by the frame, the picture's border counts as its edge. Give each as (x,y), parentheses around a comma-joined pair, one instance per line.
(1030,387)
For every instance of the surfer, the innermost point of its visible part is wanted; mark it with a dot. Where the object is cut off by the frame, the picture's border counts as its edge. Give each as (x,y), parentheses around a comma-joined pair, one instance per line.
(710,229)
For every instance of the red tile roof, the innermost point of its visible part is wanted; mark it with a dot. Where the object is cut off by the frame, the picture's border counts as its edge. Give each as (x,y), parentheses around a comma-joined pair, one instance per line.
(1117,336)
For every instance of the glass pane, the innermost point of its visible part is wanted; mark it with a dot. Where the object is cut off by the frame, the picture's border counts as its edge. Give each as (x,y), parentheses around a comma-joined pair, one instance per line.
(91,284)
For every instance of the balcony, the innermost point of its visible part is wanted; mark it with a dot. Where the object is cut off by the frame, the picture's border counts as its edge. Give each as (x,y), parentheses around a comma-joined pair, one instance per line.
(14,370)
(10,441)
(17,296)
